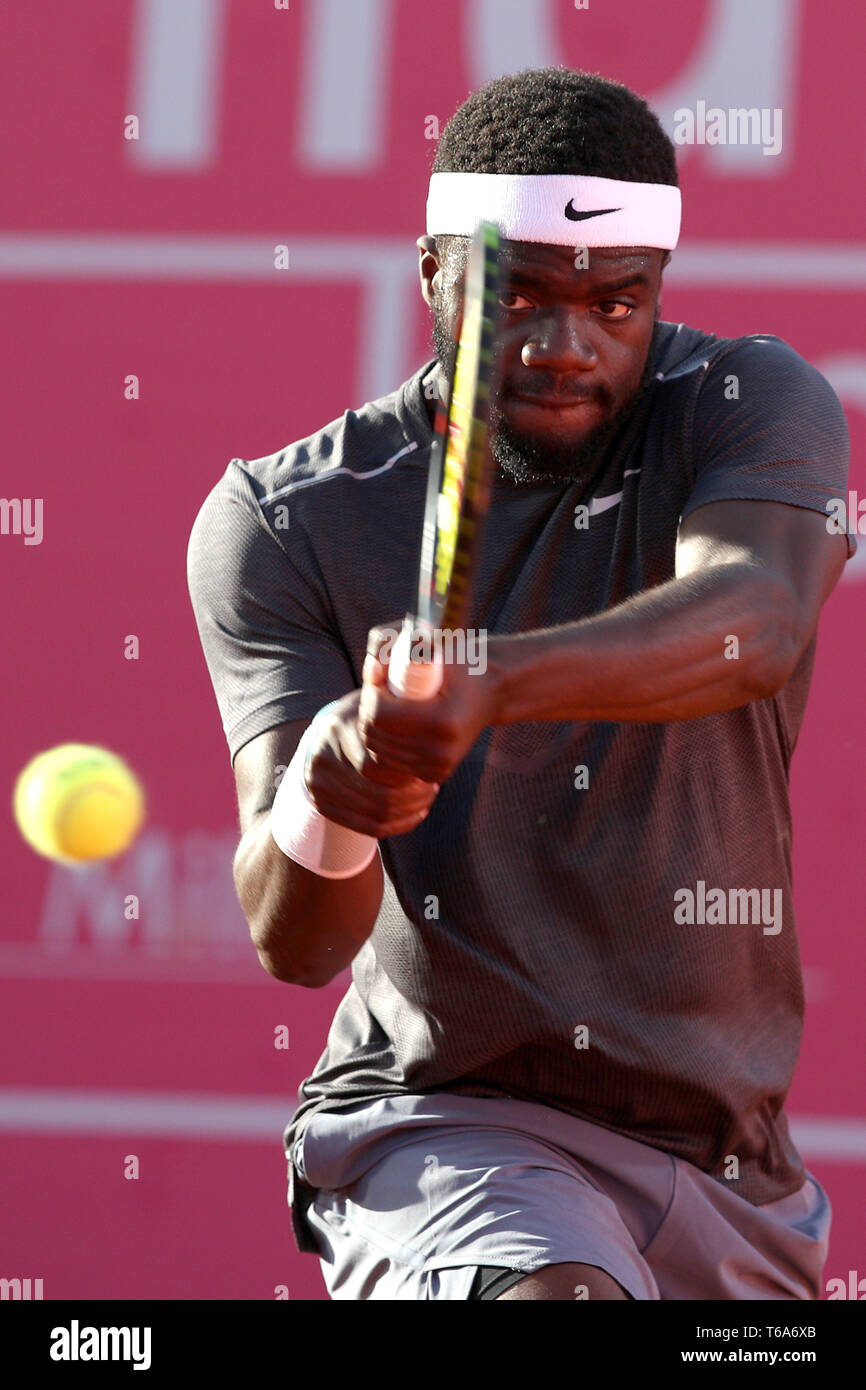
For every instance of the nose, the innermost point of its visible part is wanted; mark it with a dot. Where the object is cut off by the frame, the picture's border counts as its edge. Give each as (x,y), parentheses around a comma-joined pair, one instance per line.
(560,341)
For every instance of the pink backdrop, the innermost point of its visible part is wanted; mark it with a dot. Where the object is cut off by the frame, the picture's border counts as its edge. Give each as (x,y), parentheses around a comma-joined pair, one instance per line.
(155,257)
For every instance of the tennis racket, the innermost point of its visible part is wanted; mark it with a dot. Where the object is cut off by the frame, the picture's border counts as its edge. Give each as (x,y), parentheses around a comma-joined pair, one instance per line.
(458,484)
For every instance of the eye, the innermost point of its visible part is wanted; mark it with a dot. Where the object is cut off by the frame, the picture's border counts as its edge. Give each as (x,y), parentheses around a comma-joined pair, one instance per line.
(512,294)
(616,304)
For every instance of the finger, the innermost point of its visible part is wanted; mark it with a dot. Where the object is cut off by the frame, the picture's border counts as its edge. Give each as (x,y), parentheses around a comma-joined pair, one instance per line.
(392,772)
(380,640)
(422,763)
(355,813)
(403,795)
(381,830)
(373,671)
(392,776)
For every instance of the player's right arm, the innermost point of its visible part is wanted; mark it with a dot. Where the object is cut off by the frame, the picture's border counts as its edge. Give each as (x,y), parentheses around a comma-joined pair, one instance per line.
(271,645)
(307,928)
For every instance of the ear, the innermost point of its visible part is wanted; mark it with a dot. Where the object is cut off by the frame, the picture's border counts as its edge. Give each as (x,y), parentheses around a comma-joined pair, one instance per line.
(429,266)
(666,255)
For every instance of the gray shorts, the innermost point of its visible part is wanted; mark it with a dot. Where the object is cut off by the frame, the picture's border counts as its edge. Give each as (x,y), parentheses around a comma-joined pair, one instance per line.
(417,1192)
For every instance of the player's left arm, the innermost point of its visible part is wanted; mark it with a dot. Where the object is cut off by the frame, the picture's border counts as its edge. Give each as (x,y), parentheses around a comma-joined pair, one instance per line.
(751,577)
(751,571)
(730,627)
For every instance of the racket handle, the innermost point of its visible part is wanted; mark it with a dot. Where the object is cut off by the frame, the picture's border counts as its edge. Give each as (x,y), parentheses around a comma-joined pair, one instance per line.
(413,680)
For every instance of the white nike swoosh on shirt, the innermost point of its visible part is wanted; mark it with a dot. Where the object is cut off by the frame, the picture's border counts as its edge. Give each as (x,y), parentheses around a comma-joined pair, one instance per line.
(603,504)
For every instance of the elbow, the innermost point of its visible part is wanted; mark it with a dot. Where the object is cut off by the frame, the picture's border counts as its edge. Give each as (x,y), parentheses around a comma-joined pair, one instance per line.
(764,679)
(280,967)
(276,963)
(276,969)
(279,933)
(287,974)
(777,648)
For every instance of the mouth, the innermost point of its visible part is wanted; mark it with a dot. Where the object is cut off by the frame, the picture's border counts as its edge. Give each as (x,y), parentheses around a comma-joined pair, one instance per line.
(557,404)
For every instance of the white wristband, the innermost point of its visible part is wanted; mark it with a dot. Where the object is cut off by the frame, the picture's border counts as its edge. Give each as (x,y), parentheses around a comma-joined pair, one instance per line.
(308,837)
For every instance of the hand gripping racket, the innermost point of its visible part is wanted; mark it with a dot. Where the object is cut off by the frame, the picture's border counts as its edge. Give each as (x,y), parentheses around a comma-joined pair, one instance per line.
(458,484)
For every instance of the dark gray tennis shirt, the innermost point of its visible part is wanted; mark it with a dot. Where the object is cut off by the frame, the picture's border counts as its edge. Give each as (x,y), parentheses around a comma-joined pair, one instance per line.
(529,942)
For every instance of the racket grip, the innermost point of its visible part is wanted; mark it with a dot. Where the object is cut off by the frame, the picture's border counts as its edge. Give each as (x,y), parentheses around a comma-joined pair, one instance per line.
(413,680)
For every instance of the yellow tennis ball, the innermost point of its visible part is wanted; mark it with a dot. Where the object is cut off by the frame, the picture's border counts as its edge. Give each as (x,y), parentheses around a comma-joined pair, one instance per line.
(77,802)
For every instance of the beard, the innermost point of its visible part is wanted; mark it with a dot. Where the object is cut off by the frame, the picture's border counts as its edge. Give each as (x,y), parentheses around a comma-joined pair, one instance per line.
(526,460)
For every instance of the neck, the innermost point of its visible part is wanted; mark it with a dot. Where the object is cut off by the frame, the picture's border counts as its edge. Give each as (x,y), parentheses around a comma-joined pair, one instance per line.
(430,400)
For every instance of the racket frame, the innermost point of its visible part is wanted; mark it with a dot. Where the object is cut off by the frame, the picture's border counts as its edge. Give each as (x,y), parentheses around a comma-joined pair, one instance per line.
(445,576)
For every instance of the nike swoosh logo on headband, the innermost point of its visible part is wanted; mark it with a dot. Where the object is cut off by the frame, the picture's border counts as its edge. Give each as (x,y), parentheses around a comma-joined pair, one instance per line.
(574,216)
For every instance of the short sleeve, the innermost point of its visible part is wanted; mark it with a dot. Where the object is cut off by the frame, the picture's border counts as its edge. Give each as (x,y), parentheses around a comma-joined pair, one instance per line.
(268,639)
(767,425)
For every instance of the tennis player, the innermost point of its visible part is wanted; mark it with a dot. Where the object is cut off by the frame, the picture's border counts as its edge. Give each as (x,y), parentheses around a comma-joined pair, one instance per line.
(563,885)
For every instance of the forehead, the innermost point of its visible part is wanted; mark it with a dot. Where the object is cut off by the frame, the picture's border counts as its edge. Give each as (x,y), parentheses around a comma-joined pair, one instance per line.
(542,259)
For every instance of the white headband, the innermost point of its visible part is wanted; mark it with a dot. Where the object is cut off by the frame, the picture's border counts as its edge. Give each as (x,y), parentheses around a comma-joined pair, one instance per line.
(561,209)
